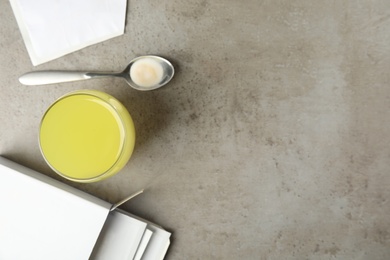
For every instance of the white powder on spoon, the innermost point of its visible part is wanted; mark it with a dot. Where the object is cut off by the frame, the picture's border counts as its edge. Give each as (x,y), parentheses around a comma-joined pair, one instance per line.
(146,72)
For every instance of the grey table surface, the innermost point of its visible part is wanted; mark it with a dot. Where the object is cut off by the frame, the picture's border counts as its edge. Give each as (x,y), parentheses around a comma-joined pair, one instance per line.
(271,142)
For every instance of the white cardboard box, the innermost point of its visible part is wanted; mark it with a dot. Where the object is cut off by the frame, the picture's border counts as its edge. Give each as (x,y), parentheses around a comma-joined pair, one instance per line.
(42,218)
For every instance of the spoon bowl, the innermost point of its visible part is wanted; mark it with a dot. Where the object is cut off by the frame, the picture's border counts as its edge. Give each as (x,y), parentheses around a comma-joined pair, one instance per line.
(167,72)
(158,68)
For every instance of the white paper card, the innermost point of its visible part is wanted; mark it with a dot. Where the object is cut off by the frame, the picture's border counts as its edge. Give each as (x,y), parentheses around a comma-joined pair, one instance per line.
(142,246)
(42,219)
(159,242)
(51,29)
(120,238)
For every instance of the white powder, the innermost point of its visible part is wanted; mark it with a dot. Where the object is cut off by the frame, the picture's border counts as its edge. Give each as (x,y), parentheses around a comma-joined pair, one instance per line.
(146,72)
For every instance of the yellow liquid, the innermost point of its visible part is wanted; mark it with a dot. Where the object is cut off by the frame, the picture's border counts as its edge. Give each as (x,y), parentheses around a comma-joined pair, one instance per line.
(82,137)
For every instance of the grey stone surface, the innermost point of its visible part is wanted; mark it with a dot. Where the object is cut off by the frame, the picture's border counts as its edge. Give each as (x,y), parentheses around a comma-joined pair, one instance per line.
(271,142)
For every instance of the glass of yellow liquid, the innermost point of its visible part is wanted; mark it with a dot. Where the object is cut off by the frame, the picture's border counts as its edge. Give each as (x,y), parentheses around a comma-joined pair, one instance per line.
(87,136)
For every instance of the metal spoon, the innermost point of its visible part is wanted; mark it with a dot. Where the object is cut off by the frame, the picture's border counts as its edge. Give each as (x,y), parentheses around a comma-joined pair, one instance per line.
(58,76)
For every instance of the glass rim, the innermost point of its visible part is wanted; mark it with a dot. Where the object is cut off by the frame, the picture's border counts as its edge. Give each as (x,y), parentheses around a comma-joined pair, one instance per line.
(121,125)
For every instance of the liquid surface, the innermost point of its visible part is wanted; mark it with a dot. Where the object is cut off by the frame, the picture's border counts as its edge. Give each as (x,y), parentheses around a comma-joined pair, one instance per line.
(81,136)
(146,72)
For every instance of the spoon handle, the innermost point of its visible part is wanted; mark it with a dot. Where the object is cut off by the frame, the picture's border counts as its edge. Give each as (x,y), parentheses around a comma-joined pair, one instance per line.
(57,76)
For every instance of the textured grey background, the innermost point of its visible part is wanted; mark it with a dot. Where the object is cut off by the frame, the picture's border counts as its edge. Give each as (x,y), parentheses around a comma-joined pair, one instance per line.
(271,142)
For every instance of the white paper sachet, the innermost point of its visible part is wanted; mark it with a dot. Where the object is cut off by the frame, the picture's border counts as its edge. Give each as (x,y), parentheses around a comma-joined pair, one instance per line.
(52,29)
